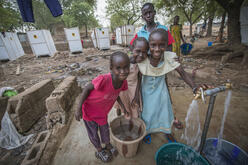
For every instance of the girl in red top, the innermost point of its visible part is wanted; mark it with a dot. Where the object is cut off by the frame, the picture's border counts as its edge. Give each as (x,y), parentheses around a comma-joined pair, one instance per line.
(98,98)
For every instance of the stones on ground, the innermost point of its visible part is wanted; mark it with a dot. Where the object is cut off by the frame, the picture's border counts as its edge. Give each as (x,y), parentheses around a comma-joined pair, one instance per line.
(18,68)
(75,65)
(26,108)
(59,103)
(88,58)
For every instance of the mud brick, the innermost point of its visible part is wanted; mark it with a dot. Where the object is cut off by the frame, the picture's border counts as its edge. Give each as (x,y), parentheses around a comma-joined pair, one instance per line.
(34,154)
(26,108)
(60,101)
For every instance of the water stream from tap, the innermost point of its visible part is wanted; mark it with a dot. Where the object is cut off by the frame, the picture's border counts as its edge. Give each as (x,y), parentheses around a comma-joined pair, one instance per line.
(192,131)
(215,152)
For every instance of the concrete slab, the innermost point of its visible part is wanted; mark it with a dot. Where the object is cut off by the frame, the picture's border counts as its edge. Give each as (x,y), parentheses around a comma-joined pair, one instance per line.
(77,149)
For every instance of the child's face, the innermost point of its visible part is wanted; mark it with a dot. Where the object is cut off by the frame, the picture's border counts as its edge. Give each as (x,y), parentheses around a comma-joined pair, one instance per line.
(148,14)
(140,51)
(120,67)
(157,45)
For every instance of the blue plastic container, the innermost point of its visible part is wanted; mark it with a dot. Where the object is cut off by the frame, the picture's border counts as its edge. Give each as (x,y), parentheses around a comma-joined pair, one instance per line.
(210,43)
(178,154)
(186,48)
(228,154)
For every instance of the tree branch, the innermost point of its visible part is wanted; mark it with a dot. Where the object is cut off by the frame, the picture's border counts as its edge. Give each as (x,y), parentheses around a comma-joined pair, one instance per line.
(136,20)
(197,17)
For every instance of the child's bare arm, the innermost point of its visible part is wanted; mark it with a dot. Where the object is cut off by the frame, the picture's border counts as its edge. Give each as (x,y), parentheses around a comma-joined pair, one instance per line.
(190,81)
(122,105)
(83,97)
(136,98)
(185,76)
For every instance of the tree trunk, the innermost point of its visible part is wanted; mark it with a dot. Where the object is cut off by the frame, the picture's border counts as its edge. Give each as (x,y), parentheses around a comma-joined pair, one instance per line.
(86,30)
(234,36)
(233,11)
(190,29)
(222,25)
(210,23)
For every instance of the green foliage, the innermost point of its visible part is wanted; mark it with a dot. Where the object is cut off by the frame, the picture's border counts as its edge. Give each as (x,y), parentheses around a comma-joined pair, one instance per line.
(80,14)
(190,10)
(116,21)
(124,11)
(212,9)
(67,3)
(76,13)
(9,16)
(43,17)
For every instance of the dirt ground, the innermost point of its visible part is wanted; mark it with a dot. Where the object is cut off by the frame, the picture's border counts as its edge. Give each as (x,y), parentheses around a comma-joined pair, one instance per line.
(93,62)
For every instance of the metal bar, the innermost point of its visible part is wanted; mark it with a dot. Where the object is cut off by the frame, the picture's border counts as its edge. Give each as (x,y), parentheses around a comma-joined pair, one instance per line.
(207,122)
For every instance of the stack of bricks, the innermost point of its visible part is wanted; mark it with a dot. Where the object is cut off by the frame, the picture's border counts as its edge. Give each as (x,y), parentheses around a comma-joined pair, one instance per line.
(26,108)
(60,102)
(34,154)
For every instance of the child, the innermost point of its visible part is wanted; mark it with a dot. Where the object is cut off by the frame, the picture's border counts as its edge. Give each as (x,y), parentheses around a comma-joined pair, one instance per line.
(139,49)
(148,14)
(157,109)
(97,100)
(176,31)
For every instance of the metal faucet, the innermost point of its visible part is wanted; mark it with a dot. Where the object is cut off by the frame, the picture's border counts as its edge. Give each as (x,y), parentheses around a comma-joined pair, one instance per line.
(201,93)
(212,93)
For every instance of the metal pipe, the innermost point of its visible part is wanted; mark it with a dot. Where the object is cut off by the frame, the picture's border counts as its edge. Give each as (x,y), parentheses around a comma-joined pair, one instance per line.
(207,121)
(210,92)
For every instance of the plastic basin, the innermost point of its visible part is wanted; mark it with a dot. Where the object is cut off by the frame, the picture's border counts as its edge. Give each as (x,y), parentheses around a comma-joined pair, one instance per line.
(210,43)
(228,153)
(186,48)
(128,148)
(178,154)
